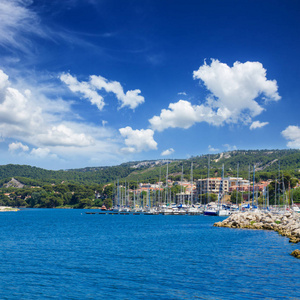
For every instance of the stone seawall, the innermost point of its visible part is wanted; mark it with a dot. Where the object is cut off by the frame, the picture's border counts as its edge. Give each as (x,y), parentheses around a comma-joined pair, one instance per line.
(287,224)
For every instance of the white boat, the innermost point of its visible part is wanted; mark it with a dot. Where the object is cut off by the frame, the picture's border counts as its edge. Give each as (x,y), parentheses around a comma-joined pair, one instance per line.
(124,209)
(296,208)
(223,212)
(194,210)
(210,211)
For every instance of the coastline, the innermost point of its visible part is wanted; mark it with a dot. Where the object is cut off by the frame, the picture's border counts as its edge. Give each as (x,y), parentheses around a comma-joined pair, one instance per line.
(8,208)
(287,224)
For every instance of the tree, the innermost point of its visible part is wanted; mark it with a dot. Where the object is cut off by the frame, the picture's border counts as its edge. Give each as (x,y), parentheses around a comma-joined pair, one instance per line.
(83,203)
(108,191)
(295,193)
(236,197)
(206,200)
(108,203)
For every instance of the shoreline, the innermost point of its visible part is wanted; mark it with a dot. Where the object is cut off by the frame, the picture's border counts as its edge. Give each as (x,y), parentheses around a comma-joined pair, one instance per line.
(8,208)
(287,224)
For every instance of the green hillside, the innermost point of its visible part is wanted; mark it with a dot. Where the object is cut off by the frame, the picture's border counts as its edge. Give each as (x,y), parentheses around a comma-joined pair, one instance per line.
(89,187)
(266,163)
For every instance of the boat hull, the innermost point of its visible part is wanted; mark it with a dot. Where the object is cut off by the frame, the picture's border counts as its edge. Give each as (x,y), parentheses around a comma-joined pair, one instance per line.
(210,213)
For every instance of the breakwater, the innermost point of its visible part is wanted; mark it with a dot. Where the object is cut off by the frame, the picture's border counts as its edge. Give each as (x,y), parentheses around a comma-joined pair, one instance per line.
(287,224)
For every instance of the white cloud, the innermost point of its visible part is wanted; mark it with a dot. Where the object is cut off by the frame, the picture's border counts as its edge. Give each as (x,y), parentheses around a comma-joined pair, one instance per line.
(182,93)
(234,97)
(23,118)
(16,146)
(229,147)
(18,22)
(84,88)
(258,124)
(3,80)
(180,114)
(183,114)
(212,149)
(168,152)
(236,89)
(292,133)
(33,119)
(42,153)
(61,135)
(131,98)
(138,140)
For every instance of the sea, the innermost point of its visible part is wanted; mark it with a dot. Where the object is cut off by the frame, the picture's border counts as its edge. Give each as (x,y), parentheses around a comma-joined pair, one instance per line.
(68,254)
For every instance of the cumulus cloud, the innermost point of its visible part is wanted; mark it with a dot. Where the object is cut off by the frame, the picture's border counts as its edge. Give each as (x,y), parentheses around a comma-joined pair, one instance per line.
(212,149)
(84,88)
(89,90)
(41,152)
(236,89)
(292,133)
(234,97)
(61,135)
(26,117)
(138,140)
(17,114)
(183,114)
(131,98)
(258,124)
(180,114)
(16,146)
(167,152)
(229,147)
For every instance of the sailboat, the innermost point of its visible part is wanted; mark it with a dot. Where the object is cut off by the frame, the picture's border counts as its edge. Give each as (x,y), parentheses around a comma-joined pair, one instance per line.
(210,209)
(221,211)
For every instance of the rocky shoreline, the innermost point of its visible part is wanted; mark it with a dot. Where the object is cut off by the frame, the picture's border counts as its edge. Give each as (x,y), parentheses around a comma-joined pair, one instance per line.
(8,208)
(287,224)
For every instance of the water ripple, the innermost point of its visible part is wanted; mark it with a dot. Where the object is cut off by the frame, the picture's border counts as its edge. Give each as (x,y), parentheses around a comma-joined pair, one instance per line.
(66,254)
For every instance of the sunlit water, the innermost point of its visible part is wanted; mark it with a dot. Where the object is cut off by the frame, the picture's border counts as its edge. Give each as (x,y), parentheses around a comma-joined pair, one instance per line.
(67,254)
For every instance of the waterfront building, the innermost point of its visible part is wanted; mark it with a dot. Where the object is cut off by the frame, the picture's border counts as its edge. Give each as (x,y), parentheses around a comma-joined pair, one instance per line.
(212,185)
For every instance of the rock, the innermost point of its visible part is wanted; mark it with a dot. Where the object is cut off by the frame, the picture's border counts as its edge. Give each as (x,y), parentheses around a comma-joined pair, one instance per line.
(294,240)
(286,225)
(218,224)
(296,253)
(268,220)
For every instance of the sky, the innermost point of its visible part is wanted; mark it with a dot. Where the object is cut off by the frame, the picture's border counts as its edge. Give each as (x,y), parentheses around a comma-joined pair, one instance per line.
(103,82)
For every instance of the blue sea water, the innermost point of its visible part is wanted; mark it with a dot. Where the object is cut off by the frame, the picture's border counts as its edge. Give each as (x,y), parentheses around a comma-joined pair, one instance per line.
(67,254)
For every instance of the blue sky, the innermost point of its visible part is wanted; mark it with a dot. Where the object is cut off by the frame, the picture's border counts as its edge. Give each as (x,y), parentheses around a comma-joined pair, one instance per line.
(94,83)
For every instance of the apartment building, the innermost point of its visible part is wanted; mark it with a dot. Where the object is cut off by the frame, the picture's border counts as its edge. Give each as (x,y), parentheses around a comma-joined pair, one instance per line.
(212,185)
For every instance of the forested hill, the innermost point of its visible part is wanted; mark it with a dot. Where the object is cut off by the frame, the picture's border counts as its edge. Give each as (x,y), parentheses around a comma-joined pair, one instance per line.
(266,162)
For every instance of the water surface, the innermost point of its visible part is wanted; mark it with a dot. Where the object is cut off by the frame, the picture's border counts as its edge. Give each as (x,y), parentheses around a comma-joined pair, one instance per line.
(67,254)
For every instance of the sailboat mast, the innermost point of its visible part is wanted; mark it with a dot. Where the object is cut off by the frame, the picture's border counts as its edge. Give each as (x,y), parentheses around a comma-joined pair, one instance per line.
(278,185)
(181,188)
(118,194)
(249,190)
(253,186)
(237,183)
(192,183)
(221,189)
(283,194)
(159,186)
(207,188)
(167,179)
(134,198)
